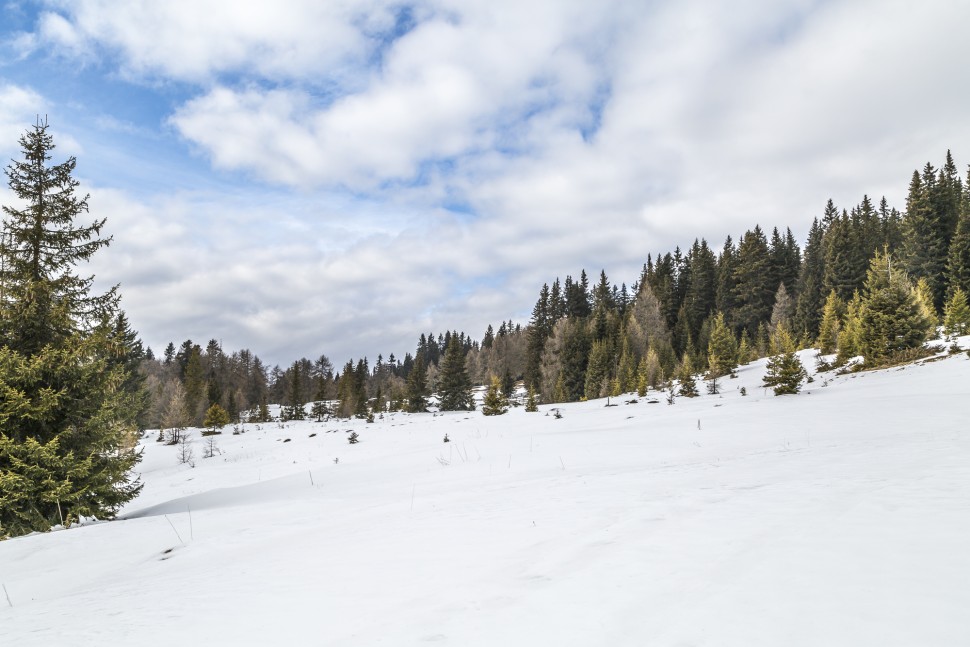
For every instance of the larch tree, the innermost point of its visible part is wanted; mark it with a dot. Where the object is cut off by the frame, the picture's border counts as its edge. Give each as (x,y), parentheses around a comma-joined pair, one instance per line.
(68,408)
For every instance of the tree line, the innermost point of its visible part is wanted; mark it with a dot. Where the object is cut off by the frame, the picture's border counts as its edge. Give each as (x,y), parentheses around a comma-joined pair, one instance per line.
(591,339)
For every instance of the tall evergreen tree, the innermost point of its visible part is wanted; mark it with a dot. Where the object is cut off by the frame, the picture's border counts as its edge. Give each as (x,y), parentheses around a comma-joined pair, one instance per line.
(416,391)
(540,327)
(753,288)
(891,318)
(722,348)
(67,414)
(598,372)
(810,300)
(454,385)
(724,299)
(958,259)
(927,230)
(701,297)
(828,337)
(845,259)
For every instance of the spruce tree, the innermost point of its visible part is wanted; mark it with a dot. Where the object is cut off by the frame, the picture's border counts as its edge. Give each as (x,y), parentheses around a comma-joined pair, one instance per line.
(453,383)
(891,318)
(688,385)
(958,260)
(753,288)
(495,403)
(530,405)
(785,372)
(295,410)
(67,405)
(598,371)
(722,349)
(956,318)
(844,258)
(808,307)
(828,336)
(724,299)
(927,230)
(851,332)
(416,390)
(215,418)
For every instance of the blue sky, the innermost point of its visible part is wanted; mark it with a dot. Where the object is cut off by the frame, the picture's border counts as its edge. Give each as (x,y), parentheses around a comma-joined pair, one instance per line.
(301,177)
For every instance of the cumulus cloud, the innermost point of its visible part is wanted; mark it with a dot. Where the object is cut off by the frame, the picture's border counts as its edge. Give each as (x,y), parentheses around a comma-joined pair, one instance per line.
(448,157)
(193,40)
(18,109)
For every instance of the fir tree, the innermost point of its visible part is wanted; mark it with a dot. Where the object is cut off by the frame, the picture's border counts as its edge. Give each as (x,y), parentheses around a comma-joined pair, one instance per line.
(453,384)
(194,385)
(295,411)
(495,403)
(67,416)
(417,386)
(785,372)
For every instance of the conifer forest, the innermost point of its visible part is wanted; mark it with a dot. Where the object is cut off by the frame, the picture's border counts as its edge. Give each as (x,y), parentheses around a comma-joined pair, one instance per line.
(871,280)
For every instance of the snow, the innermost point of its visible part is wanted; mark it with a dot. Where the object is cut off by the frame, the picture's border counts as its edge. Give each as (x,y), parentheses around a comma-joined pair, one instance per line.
(839,516)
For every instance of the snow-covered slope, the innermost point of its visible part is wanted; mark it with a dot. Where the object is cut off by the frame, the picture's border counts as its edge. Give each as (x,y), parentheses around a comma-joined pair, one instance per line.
(840,516)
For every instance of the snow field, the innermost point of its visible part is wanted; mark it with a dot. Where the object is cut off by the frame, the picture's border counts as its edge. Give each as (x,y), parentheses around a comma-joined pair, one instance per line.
(839,516)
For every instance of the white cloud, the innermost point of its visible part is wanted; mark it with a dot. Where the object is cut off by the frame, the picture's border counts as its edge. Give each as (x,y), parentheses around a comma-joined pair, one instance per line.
(19,107)
(194,40)
(578,134)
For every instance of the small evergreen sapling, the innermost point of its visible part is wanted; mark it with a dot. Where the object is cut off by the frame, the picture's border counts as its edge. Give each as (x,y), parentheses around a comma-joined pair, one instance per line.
(530,404)
(785,370)
(496,403)
(956,317)
(215,419)
(688,386)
